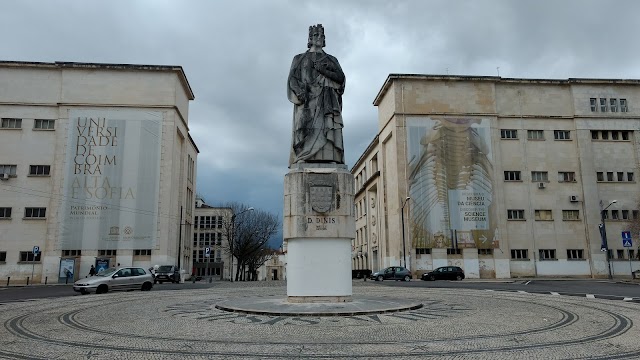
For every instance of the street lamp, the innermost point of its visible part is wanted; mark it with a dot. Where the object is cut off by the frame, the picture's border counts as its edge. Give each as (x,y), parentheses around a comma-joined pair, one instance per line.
(233,238)
(404,246)
(603,235)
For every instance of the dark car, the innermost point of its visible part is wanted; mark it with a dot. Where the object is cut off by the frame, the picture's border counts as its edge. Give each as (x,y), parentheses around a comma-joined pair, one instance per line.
(392,273)
(444,273)
(167,273)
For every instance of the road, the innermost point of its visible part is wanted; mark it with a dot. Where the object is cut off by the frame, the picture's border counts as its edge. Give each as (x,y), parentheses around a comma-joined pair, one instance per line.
(597,288)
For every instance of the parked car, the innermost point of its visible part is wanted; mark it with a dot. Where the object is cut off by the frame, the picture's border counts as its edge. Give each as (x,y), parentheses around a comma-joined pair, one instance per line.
(122,278)
(392,273)
(444,273)
(167,273)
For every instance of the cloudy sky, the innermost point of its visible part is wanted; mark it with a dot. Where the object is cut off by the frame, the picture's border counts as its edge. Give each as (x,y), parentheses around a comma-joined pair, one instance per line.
(237,54)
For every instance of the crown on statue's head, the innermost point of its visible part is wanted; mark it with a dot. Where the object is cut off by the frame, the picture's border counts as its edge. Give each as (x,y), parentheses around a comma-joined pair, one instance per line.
(316,29)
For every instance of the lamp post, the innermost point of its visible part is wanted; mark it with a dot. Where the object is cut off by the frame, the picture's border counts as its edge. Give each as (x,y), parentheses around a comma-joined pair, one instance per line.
(404,246)
(603,234)
(233,239)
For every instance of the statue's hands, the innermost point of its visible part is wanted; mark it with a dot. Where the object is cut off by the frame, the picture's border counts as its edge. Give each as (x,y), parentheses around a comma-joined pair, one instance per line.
(322,67)
(302,97)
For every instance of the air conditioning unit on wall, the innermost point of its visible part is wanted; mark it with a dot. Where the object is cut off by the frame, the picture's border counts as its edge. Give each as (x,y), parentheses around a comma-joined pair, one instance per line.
(574,198)
(541,185)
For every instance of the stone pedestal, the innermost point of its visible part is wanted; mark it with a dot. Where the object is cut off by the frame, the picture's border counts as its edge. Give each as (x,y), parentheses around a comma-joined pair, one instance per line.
(319,225)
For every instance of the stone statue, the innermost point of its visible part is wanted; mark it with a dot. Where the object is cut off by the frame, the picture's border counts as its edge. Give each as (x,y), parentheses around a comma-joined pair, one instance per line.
(315,87)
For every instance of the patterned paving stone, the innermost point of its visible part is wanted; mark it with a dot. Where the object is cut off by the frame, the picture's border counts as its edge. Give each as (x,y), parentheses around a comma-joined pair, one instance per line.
(452,324)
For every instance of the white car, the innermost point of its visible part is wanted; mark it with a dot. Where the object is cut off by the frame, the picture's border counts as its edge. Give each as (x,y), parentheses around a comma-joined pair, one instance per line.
(122,278)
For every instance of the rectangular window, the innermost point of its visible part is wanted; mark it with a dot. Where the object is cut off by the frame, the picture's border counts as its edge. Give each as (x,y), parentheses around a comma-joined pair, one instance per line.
(605,214)
(515,214)
(454,252)
(5,213)
(195,239)
(11,123)
(610,253)
(603,105)
(520,254)
(635,213)
(575,254)
(620,254)
(8,169)
(613,105)
(600,176)
(219,240)
(535,134)
(629,176)
(3,256)
(594,104)
(43,124)
(423,251)
(631,254)
(107,252)
(543,215)
(29,256)
(538,176)
(620,176)
(566,176)
(71,252)
(508,134)
(570,214)
(595,135)
(625,214)
(605,135)
(34,212)
(39,170)
(562,134)
(623,105)
(625,135)
(614,135)
(485,251)
(615,215)
(142,252)
(512,176)
(547,254)
(609,175)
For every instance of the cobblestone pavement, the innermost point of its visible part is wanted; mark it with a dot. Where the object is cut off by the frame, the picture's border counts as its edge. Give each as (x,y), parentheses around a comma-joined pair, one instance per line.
(453,324)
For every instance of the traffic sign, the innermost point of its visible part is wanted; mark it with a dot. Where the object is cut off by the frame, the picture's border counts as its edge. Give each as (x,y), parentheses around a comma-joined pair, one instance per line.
(207,252)
(626,239)
(36,250)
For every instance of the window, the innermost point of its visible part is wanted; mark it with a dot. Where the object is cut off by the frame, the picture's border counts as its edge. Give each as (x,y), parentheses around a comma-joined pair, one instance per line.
(595,135)
(620,254)
(142,252)
(29,256)
(623,105)
(485,251)
(566,176)
(609,175)
(543,215)
(538,176)
(625,214)
(600,176)
(423,251)
(614,135)
(11,123)
(603,105)
(535,134)
(453,252)
(629,176)
(620,176)
(562,134)
(520,254)
(219,222)
(610,253)
(615,215)
(5,213)
(508,134)
(195,240)
(594,104)
(33,212)
(39,170)
(515,214)
(3,256)
(631,253)
(219,240)
(570,214)
(605,135)
(547,254)
(613,105)
(8,169)
(605,214)
(512,176)
(625,135)
(634,213)
(71,252)
(107,252)
(575,254)
(44,124)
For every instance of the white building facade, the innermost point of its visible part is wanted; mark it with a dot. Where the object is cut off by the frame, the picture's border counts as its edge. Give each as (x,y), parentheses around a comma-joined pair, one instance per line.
(502,177)
(210,231)
(98,168)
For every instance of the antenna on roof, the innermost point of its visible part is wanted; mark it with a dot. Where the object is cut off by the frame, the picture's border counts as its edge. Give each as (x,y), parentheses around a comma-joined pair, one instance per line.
(498,69)
(447,71)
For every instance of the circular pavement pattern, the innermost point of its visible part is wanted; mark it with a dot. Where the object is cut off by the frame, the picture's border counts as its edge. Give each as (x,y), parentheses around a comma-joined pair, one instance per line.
(452,323)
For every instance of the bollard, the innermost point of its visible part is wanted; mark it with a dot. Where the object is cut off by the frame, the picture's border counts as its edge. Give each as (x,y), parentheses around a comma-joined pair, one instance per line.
(8,279)
(66,280)
(27,281)
(45,280)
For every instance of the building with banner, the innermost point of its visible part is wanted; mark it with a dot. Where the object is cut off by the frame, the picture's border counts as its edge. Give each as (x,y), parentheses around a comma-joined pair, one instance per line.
(502,177)
(97,167)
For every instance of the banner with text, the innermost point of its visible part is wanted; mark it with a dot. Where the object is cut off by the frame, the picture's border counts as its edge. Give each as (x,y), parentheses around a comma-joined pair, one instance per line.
(111,180)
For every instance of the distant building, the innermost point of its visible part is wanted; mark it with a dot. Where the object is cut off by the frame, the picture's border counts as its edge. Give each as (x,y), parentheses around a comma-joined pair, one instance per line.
(502,177)
(97,167)
(210,231)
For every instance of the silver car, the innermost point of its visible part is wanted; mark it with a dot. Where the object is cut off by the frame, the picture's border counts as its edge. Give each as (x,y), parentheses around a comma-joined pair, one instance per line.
(122,278)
